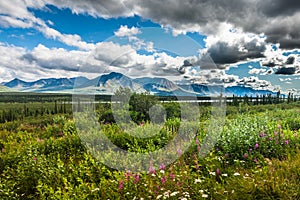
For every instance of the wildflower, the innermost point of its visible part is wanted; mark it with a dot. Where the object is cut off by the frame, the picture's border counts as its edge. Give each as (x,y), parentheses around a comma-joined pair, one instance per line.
(159,196)
(275,133)
(245,155)
(201,191)
(250,150)
(39,140)
(34,158)
(3,150)
(270,139)
(225,175)
(186,194)
(121,184)
(286,142)
(163,180)
(212,173)
(151,170)
(279,126)
(197,141)
(236,174)
(179,151)
(136,179)
(255,160)
(204,196)
(226,155)
(262,134)
(167,193)
(172,176)
(162,167)
(218,172)
(128,175)
(174,194)
(256,146)
(198,181)
(198,148)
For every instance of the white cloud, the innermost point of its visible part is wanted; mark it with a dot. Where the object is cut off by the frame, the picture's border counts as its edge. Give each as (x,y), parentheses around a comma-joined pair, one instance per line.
(124,31)
(257,71)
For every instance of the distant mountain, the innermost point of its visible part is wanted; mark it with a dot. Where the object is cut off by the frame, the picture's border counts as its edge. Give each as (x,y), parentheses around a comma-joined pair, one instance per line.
(242,91)
(109,83)
(44,85)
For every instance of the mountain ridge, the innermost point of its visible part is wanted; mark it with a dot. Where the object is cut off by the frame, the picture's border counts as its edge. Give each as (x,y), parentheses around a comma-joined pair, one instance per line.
(109,83)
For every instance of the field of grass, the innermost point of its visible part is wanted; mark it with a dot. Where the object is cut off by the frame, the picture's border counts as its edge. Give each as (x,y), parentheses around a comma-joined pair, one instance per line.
(257,156)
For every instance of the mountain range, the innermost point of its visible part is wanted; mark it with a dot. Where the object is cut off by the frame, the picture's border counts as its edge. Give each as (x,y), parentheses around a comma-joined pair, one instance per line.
(109,83)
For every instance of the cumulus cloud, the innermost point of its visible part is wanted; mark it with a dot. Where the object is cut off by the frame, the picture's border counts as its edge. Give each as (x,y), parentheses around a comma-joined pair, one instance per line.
(20,17)
(285,65)
(44,62)
(124,31)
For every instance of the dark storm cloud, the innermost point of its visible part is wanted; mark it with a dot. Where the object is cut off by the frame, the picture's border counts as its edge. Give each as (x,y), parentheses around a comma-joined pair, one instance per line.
(278,19)
(222,53)
(286,70)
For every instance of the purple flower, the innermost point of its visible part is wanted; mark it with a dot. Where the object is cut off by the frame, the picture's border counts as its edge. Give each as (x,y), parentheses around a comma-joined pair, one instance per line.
(179,151)
(172,176)
(197,141)
(256,146)
(262,134)
(151,170)
(270,138)
(245,155)
(162,167)
(275,133)
(163,180)
(34,158)
(286,142)
(250,150)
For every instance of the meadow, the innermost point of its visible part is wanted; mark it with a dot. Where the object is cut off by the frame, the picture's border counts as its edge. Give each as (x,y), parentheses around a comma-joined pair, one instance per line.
(255,157)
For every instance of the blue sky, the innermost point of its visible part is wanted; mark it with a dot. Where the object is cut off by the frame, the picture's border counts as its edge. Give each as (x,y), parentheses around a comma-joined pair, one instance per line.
(54,38)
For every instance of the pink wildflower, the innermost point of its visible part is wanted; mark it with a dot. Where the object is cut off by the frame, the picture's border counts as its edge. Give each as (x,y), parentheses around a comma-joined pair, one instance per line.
(136,179)
(151,170)
(162,167)
(121,184)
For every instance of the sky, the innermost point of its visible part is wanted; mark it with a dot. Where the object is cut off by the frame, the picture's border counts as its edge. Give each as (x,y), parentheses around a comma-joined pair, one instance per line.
(234,42)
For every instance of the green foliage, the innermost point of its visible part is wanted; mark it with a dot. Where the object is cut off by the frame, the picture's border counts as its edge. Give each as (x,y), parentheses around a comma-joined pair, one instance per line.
(43,157)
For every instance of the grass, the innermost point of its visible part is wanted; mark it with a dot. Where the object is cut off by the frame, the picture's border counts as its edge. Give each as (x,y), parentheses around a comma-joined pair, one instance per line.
(43,158)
